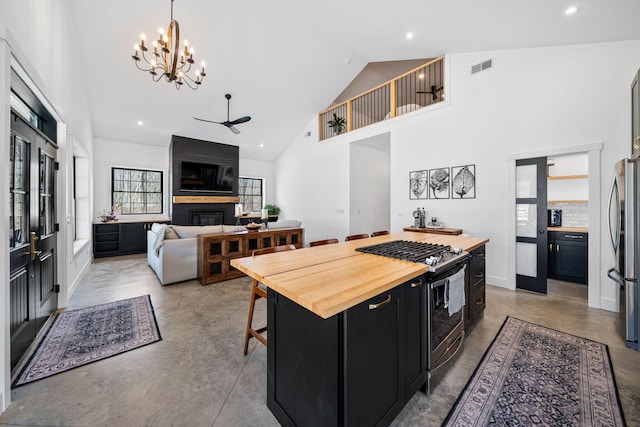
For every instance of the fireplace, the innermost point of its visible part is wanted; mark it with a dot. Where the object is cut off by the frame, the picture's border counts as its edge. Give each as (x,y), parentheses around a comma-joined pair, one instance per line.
(206,217)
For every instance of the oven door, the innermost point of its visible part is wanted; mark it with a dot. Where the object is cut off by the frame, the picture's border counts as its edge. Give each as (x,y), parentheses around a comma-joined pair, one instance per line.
(444,330)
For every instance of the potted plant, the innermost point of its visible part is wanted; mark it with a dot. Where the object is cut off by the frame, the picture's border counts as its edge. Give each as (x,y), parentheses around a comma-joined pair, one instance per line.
(338,124)
(273,211)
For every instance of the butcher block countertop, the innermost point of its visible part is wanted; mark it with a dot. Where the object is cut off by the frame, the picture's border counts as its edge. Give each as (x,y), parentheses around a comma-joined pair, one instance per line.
(331,278)
(569,229)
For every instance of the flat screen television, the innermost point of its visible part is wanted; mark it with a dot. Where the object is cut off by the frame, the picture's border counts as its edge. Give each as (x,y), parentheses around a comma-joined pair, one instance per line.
(206,177)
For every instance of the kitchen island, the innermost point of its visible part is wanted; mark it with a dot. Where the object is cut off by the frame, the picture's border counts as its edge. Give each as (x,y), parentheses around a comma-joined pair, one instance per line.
(346,330)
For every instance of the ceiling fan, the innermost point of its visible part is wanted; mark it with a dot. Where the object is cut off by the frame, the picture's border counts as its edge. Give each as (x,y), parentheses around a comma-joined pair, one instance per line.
(229,123)
(433,92)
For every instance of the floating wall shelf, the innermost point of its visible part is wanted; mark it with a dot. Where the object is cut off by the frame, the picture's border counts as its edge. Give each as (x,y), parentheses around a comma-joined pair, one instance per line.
(551,178)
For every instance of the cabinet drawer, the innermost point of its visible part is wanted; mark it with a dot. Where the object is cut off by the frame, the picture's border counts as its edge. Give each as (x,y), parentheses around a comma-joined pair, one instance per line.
(476,270)
(565,236)
(107,228)
(477,298)
(477,254)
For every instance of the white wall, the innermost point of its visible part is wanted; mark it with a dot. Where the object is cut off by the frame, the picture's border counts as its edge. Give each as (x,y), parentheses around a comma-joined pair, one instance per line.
(28,30)
(531,100)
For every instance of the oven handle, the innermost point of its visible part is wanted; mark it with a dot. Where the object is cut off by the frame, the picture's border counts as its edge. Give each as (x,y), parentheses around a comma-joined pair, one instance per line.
(380,304)
(438,283)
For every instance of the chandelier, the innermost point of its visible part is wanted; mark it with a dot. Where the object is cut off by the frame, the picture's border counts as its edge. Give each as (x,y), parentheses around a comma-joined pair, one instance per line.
(167,59)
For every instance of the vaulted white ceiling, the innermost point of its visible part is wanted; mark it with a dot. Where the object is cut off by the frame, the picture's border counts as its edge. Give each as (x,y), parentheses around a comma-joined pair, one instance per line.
(286,60)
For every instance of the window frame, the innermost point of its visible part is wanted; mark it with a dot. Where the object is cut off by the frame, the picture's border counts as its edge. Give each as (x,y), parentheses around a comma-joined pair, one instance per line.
(262,192)
(160,192)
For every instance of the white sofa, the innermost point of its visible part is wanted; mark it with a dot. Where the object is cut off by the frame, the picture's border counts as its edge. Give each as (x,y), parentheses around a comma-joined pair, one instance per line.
(172,250)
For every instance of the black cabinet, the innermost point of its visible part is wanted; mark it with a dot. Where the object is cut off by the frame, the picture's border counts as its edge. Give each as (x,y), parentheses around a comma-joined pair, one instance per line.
(115,239)
(357,368)
(568,255)
(475,287)
(635,115)
(374,371)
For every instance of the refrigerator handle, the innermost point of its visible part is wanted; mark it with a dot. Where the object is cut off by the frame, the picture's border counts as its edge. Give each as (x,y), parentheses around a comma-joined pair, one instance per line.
(615,240)
(615,277)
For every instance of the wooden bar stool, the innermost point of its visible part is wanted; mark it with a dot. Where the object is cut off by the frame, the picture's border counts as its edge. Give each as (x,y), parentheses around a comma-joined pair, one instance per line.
(323,242)
(356,237)
(256,293)
(379,233)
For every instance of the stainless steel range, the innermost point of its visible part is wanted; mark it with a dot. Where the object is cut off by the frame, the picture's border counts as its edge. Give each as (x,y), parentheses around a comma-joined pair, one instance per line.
(445,327)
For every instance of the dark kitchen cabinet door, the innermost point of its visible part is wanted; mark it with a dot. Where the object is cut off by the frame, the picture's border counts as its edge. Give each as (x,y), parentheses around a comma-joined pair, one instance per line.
(304,365)
(133,237)
(568,255)
(415,321)
(475,288)
(374,371)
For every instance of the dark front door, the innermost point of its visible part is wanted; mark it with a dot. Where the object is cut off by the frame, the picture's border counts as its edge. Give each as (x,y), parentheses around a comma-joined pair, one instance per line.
(32,239)
(531,224)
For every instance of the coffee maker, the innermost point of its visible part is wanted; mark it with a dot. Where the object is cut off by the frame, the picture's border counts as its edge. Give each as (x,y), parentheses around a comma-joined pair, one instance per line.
(419,218)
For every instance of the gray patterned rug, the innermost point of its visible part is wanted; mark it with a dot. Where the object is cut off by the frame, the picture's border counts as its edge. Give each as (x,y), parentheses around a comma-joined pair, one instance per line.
(82,336)
(532,375)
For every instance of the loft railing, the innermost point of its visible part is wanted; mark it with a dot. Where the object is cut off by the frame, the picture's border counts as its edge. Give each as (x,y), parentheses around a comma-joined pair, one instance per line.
(418,88)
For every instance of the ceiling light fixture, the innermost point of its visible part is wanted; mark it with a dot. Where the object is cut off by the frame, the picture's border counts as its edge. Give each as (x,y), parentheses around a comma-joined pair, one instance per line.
(571,10)
(168,60)
(140,122)
(409,36)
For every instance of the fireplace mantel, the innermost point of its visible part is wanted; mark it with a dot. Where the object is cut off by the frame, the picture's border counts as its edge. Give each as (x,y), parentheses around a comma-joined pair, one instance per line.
(206,199)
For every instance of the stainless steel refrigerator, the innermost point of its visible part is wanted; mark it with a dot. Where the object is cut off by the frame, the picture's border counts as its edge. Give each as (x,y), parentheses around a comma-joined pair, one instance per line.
(624,231)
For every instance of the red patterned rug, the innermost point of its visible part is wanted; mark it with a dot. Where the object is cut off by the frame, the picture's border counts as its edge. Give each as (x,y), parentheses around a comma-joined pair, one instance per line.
(532,375)
(79,337)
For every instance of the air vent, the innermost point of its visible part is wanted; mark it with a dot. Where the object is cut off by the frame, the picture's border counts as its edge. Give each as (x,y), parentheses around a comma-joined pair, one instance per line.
(481,66)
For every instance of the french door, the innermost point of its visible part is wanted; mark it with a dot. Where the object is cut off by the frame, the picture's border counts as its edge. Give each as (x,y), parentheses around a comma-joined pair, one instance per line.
(531,224)
(32,239)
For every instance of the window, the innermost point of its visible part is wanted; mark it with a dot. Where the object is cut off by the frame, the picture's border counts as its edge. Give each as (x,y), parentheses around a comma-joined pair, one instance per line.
(137,191)
(23,109)
(19,191)
(250,192)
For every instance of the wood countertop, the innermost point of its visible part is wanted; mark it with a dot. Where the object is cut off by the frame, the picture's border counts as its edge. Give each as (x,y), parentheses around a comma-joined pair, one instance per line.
(331,278)
(569,229)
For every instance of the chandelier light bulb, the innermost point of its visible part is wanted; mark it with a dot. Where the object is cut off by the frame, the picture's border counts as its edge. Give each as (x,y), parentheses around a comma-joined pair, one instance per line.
(186,43)
(136,47)
(143,37)
(161,31)
(203,65)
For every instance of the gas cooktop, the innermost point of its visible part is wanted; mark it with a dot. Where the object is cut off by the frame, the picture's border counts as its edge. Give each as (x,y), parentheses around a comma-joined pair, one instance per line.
(437,257)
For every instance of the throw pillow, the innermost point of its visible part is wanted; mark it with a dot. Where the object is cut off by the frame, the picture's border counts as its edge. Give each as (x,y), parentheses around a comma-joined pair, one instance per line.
(170,233)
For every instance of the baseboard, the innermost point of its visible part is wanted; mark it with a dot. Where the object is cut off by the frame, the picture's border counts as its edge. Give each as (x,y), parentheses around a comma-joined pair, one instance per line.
(609,304)
(499,282)
(76,282)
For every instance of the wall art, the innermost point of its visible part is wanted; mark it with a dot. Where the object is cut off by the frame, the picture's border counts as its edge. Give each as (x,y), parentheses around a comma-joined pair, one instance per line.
(418,185)
(463,182)
(439,183)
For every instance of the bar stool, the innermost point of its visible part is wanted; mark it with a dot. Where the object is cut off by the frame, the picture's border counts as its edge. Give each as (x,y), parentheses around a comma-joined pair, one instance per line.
(323,242)
(356,237)
(379,233)
(256,293)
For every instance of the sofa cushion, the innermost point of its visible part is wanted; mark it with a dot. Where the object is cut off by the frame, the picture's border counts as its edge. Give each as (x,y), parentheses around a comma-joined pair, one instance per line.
(285,223)
(157,226)
(187,231)
(170,233)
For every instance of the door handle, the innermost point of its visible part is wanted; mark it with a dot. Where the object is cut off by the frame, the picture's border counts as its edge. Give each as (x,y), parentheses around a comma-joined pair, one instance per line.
(557,248)
(32,246)
(380,304)
(570,236)
(416,284)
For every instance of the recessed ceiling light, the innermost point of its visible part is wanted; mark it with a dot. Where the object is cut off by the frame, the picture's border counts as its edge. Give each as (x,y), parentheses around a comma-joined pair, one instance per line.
(409,36)
(571,10)
(140,122)
(261,145)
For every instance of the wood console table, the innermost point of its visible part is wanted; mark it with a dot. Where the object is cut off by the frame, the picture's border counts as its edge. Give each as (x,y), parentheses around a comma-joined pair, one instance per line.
(215,251)
(447,231)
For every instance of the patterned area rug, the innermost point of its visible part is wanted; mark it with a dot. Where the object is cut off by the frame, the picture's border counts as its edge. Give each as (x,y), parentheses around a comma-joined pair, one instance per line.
(532,375)
(82,336)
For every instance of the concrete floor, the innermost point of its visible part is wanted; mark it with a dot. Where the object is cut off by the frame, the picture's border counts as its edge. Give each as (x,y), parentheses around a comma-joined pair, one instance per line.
(198,376)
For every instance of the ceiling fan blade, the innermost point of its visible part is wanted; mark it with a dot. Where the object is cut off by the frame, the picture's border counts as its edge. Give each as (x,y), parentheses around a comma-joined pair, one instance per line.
(208,121)
(233,129)
(240,120)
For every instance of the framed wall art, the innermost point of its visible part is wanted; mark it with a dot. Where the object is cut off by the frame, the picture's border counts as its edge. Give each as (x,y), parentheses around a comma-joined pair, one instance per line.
(439,183)
(418,185)
(463,182)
